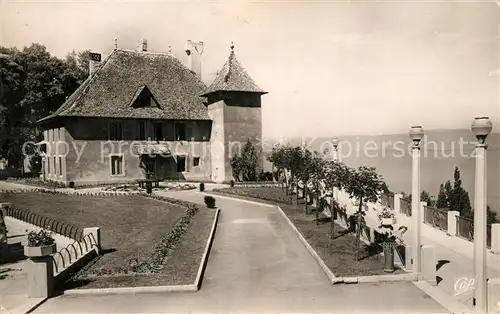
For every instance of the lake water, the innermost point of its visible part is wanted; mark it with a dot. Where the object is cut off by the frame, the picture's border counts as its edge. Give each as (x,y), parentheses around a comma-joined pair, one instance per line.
(391,154)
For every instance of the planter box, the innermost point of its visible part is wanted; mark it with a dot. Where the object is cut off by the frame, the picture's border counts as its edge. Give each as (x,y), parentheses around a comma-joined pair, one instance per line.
(387,221)
(37,251)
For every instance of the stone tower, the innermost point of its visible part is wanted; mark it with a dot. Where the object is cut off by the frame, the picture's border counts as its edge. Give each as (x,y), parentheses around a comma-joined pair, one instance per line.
(234,105)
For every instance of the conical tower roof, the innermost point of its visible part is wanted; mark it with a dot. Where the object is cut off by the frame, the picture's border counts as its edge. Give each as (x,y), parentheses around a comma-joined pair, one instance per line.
(234,78)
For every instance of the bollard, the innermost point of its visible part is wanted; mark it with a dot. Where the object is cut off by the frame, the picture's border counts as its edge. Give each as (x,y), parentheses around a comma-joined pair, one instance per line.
(452,223)
(493,295)
(429,264)
(495,238)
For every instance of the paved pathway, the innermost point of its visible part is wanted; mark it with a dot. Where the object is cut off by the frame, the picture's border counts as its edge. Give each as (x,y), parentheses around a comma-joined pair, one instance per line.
(257,264)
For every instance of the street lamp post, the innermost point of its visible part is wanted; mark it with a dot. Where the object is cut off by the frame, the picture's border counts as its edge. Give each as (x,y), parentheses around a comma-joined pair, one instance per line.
(481,127)
(335,143)
(416,135)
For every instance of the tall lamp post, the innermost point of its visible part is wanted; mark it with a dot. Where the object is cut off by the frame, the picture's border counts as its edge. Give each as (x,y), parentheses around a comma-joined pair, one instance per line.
(481,127)
(335,143)
(416,135)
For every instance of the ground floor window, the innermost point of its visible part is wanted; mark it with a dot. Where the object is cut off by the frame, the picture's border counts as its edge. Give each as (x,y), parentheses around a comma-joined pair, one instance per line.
(60,167)
(196,161)
(117,165)
(55,167)
(181,163)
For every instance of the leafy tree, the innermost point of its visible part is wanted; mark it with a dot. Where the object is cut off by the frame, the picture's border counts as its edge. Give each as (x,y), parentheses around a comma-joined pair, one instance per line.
(426,197)
(317,170)
(34,85)
(305,171)
(276,158)
(364,185)
(442,198)
(245,164)
(385,189)
(336,176)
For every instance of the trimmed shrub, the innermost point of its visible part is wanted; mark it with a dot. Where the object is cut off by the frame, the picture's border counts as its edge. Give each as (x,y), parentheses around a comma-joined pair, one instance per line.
(231,183)
(209,201)
(72,184)
(202,186)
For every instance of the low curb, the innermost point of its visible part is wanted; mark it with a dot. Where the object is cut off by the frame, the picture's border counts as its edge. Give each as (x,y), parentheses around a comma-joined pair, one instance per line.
(151,289)
(178,288)
(206,254)
(28,306)
(376,278)
(326,270)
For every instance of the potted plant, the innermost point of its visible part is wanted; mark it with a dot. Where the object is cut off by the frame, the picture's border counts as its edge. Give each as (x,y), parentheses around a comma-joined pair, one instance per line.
(39,243)
(386,217)
(389,240)
(202,187)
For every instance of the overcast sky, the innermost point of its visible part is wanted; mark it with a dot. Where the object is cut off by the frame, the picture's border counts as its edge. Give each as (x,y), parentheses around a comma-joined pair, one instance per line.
(330,68)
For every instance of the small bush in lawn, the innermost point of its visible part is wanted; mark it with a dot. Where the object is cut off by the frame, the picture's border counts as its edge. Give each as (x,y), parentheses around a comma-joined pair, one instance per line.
(202,186)
(231,183)
(210,201)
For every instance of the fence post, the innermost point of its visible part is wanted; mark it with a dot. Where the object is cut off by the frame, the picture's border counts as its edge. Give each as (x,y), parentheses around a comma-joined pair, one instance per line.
(397,203)
(4,206)
(96,232)
(493,295)
(495,238)
(452,223)
(429,264)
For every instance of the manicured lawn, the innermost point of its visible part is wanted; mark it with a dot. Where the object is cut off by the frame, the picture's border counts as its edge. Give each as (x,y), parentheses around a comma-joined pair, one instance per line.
(131,227)
(339,254)
(181,267)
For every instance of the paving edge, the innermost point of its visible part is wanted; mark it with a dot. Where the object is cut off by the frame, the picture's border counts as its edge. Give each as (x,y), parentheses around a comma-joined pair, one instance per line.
(149,289)
(445,300)
(206,254)
(314,254)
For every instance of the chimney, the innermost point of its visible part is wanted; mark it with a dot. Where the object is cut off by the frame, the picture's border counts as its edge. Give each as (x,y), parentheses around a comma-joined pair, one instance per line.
(194,50)
(144,45)
(94,62)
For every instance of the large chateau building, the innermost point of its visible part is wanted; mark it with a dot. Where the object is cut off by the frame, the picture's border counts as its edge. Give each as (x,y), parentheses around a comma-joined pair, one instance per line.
(144,113)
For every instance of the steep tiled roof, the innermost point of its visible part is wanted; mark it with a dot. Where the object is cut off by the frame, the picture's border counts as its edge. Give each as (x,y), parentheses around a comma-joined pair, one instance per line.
(109,92)
(233,77)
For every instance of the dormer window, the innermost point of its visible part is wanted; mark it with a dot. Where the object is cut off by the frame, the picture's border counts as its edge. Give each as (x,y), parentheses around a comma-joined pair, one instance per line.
(144,98)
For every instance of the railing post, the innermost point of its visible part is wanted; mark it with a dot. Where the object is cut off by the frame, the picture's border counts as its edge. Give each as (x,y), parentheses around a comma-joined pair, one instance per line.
(495,238)
(452,223)
(96,234)
(397,203)
(429,264)
(493,295)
